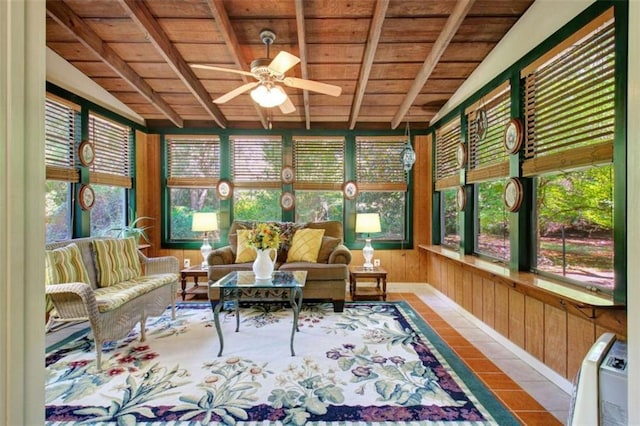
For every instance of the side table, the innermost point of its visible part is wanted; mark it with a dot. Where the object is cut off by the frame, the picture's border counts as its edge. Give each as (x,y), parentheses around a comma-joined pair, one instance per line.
(194,272)
(377,273)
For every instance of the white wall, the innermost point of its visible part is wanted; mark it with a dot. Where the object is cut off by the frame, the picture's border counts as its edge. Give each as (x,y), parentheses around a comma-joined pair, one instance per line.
(22,183)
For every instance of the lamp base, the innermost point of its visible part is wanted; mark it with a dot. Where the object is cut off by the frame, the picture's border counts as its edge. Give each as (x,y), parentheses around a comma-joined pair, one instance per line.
(367,252)
(205,250)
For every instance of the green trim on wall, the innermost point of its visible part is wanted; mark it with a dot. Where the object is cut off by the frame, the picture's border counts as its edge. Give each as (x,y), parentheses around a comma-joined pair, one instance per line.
(620,155)
(226,206)
(522,223)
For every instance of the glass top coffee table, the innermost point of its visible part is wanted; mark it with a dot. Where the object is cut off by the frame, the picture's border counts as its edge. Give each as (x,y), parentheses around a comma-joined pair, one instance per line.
(242,285)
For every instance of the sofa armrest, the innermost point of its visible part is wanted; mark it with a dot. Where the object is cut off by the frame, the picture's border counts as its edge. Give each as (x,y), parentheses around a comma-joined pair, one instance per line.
(221,256)
(341,254)
(159,265)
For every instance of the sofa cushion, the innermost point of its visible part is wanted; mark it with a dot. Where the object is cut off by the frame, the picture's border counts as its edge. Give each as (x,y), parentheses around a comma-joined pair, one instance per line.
(233,233)
(332,228)
(244,253)
(117,260)
(328,245)
(65,265)
(305,245)
(116,295)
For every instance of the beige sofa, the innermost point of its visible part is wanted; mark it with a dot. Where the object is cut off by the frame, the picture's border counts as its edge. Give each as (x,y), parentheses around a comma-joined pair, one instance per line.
(326,279)
(112,310)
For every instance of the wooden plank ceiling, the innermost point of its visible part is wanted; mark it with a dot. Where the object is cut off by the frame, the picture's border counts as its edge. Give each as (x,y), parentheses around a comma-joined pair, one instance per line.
(395,60)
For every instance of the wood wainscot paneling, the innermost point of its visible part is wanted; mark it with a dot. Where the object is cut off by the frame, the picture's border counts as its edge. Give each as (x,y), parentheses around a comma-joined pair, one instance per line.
(556,328)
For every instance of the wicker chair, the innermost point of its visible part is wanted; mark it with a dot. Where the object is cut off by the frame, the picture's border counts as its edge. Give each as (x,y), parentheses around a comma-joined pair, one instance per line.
(145,296)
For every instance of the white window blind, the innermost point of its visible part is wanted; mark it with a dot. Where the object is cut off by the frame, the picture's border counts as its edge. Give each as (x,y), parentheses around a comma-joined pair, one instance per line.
(61,132)
(378,164)
(569,104)
(113,152)
(256,161)
(193,161)
(318,162)
(447,138)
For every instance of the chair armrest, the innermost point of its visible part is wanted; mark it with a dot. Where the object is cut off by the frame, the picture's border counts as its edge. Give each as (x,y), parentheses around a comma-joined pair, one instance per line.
(341,254)
(159,265)
(221,256)
(73,300)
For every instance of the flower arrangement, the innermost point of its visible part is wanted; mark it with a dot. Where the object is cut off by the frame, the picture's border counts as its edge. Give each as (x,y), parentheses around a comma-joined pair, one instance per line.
(264,236)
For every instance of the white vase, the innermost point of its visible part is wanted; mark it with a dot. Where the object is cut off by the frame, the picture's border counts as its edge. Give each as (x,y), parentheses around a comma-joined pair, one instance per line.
(264,264)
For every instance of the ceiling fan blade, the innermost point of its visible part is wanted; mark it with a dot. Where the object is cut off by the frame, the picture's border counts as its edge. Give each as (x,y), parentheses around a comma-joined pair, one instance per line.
(212,68)
(314,86)
(235,92)
(287,106)
(283,62)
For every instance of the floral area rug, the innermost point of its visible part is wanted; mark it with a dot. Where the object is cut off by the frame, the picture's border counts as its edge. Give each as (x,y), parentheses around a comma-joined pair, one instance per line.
(376,363)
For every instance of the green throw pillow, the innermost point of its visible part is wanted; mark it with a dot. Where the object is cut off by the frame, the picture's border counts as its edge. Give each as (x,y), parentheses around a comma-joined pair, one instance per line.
(117,260)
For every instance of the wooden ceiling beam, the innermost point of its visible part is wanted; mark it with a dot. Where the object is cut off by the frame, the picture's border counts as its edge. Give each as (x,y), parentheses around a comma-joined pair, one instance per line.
(231,40)
(63,15)
(302,47)
(454,21)
(367,62)
(140,14)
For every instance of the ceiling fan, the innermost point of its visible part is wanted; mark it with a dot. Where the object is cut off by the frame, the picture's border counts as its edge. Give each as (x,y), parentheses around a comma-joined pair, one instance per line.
(270,74)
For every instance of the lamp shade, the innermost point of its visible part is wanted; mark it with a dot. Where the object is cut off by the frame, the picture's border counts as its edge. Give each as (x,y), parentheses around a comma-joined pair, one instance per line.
(268,96)
(368,223)
(204,222)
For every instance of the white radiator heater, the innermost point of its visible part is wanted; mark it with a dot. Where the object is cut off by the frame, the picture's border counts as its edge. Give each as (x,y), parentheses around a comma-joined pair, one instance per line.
(600,389)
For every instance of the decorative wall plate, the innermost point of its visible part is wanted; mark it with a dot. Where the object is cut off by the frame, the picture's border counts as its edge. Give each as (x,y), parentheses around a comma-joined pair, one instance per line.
(224,189)
(87,197)
(350,190)
(86,154)
(461,155)
(512,195)
(287,200)
(287,175)
(461,198)
(513,136)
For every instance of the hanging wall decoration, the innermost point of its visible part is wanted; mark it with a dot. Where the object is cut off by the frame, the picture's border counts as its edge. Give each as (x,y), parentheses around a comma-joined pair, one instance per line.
(408,155)
(513,136)
(512,195)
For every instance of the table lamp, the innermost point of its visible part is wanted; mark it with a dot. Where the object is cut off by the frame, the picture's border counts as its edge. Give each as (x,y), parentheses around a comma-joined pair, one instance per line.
(205,222)
(367,223)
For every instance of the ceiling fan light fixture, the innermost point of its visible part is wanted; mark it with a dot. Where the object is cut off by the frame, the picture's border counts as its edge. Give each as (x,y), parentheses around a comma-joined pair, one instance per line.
(268,96)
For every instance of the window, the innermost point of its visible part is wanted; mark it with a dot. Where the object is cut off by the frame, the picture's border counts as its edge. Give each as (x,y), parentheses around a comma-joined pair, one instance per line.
(256,165)
(492,223)
(110,173)
(382,183)
(574,225)
(570,110)
(450,224)
(193,171)
(447,180)
(487,168)
(319,167)
(61,136)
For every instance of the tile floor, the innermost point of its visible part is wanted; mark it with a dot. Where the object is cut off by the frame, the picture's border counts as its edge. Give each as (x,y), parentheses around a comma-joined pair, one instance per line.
(533,398)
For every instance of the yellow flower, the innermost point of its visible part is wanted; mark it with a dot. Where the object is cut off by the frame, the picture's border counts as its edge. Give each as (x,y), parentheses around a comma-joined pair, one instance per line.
(264,236)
